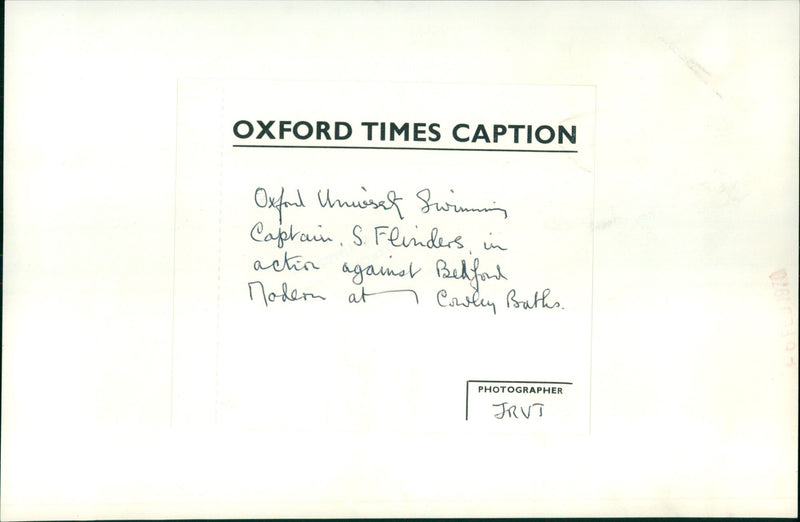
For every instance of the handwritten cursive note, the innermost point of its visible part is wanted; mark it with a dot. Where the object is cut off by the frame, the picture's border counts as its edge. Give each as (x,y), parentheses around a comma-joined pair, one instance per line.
(463,263)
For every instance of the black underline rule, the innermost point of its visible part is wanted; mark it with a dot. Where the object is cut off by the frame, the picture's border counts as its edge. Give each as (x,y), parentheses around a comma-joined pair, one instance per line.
(401,148)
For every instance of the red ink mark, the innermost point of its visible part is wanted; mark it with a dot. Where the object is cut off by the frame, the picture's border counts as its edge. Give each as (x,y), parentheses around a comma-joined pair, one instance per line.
(782,294)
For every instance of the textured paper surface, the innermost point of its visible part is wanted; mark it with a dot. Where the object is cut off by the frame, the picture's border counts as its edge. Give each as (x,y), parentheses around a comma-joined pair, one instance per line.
(137,381)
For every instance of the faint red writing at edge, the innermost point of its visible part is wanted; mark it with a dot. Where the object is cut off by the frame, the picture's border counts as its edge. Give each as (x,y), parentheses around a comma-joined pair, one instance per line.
(782,293)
